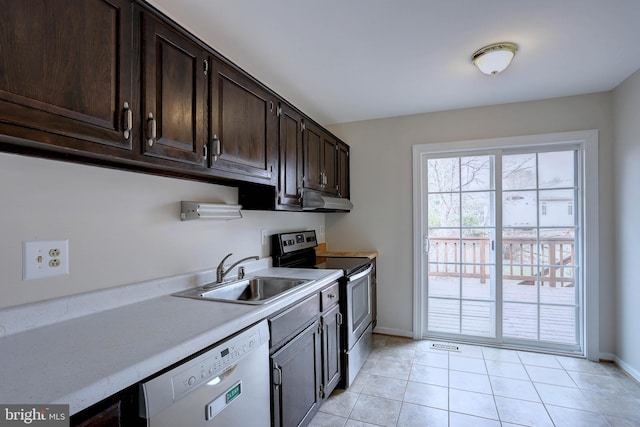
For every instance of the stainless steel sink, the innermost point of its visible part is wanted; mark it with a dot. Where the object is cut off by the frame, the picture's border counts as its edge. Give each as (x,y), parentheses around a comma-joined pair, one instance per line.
(253,290)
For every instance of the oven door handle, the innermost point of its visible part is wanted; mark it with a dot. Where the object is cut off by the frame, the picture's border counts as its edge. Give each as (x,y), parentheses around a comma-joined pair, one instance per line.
(360,275)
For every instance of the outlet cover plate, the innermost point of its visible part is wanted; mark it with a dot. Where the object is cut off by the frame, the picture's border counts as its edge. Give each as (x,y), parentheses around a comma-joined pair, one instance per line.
(45,258)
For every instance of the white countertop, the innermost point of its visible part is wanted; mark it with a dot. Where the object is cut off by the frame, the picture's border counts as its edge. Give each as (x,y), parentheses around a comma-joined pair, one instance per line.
(83,359)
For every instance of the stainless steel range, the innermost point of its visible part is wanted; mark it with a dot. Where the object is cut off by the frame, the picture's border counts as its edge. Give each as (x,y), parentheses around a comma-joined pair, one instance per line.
(297,249)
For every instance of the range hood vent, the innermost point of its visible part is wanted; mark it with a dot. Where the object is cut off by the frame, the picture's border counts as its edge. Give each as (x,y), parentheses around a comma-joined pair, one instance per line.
(315,201)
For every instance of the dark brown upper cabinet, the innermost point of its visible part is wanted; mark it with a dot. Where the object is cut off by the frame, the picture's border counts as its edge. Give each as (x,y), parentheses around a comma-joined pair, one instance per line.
(66,74)
(319,158)
(290,158)
(117,83)
(343,188)
(173,93)
(329,146)
(243,133)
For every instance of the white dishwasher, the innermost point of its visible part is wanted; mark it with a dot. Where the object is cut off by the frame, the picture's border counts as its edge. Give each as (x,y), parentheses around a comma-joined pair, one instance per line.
(227,385)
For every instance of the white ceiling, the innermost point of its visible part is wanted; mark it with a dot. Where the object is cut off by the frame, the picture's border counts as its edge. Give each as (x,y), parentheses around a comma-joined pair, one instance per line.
(347,60)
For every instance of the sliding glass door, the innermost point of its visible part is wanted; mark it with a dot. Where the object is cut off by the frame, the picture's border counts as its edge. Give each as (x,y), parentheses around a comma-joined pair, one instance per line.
(460,245)
(539,247)
(501,247)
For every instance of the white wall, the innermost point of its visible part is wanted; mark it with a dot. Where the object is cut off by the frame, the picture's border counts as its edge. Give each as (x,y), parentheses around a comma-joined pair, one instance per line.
(381,187)
(627,221)
(122,227)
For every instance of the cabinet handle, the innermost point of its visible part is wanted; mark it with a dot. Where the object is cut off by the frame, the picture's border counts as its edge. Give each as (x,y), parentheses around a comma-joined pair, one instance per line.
(279,111)
(277,370)
(206,67)
(331,296)
(217,147)
(128,120)
(206,152)
(151,130)
(339,318)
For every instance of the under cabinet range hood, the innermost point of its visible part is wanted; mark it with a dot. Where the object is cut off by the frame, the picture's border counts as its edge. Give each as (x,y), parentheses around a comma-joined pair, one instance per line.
(315,201)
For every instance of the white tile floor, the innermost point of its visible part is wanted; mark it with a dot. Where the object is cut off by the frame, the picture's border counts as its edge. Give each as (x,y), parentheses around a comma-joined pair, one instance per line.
(406,383)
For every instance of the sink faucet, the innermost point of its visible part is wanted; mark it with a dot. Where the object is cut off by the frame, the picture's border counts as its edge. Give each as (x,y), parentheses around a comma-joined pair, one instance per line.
(220,272)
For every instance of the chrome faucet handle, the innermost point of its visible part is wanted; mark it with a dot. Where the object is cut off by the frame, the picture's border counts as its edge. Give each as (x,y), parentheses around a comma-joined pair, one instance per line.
(220,268)
(220,273)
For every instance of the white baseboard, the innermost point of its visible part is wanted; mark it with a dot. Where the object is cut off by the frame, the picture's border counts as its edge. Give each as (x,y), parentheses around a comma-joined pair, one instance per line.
(627,368)
(396,332)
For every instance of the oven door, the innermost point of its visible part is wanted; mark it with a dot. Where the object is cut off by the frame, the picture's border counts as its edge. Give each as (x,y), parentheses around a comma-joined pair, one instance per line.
(358,290)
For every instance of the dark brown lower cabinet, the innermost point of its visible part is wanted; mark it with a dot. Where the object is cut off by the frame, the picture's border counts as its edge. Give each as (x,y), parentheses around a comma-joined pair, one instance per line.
(305,357)
(119,410)
(296,370)
(331,369)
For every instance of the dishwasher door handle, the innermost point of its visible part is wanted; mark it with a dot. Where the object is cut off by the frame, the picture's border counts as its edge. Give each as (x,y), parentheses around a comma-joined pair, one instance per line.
(219,403)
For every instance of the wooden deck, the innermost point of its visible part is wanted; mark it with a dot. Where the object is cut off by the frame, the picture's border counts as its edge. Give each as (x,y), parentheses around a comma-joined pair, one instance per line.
(555,313)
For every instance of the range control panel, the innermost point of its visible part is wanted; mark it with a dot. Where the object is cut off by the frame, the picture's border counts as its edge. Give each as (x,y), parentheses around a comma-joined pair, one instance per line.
(285,243)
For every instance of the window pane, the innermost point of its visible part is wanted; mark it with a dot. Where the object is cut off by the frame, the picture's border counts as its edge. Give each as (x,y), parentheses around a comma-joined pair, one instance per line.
(444,245)
(520,321)
(519,247)
(552,277)
(476,281)
(519,171)
(444,210)
(478,318)
(443,175)
(444,315)
(444,280)
(558,246)
(476,209)
(558,324)
(521,288)
(556,169)
(476,246)
(558,208)
(519,209)
(476,173)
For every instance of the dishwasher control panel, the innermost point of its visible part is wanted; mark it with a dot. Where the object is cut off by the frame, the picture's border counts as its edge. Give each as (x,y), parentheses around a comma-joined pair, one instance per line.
(218,360)
(208,367)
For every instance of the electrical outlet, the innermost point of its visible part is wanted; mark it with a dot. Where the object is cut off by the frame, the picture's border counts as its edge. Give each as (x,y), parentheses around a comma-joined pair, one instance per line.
(45,258)
(264,234)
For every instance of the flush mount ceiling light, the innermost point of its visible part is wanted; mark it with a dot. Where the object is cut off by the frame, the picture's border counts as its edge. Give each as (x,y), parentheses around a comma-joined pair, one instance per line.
(494,58)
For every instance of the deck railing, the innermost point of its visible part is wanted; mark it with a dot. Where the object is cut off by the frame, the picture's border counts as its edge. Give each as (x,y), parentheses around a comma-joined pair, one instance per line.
(552,258)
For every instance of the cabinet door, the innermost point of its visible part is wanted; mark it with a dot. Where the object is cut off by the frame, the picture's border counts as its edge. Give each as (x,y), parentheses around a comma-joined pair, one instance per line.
(290,156)
(173,88)
(244,126)
(296,378)
(313,156)
(343,170)
(66,72)
(329,147)
(331,368)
